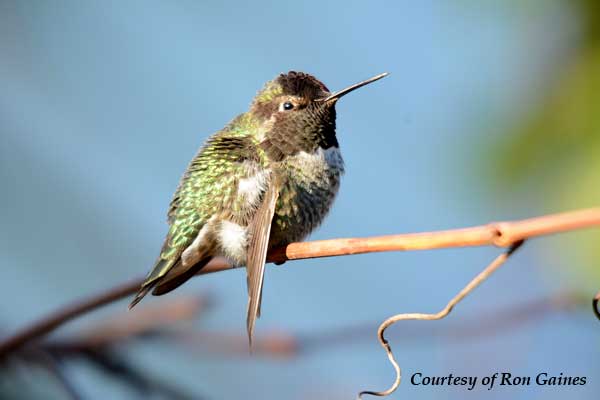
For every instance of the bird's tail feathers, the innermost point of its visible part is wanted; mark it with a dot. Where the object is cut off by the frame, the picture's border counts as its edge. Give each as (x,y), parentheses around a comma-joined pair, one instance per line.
(161,268)
(177,275)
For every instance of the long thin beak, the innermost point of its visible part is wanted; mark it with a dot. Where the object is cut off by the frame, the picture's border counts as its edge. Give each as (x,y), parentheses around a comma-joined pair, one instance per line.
(335,96)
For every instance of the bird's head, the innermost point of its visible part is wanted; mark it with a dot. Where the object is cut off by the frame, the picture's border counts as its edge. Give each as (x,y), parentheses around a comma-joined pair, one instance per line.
(296,113)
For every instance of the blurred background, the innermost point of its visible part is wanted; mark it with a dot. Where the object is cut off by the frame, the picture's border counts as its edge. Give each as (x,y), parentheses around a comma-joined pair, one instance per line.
(491,112)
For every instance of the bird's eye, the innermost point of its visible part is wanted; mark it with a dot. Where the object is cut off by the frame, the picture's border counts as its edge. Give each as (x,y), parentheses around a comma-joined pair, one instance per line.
(287,106)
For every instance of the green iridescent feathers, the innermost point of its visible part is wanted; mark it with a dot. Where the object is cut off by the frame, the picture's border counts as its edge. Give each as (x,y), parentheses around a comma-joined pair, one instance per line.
(207,188)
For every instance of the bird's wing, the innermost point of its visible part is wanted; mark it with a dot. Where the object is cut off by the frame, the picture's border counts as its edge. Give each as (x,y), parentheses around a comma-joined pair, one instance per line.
(206,189)
(259,231)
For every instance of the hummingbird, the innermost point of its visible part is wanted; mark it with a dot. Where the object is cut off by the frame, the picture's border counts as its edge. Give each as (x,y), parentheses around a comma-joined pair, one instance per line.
(265,180)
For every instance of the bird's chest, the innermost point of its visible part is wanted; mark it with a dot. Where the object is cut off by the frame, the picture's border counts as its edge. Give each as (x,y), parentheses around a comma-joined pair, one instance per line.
(309,184)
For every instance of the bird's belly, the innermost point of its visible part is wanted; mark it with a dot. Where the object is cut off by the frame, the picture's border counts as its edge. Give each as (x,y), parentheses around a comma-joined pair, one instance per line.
(310,184)
(308,187)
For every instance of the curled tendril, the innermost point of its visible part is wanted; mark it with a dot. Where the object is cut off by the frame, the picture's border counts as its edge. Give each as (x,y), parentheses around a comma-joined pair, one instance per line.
(482,276)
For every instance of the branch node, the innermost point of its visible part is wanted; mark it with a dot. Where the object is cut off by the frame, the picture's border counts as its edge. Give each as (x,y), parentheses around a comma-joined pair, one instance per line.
(502,237)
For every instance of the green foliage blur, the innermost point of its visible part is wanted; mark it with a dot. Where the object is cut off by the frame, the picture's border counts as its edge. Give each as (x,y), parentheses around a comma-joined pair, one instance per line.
(553,151)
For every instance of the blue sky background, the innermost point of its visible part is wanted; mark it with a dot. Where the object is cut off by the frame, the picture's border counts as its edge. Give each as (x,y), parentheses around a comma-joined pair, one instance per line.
(103,104)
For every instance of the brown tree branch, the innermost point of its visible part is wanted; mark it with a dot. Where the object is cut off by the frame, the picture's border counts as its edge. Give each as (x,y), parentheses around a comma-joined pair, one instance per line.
(501,234)
(284,344)
(491,321)
(101,343)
